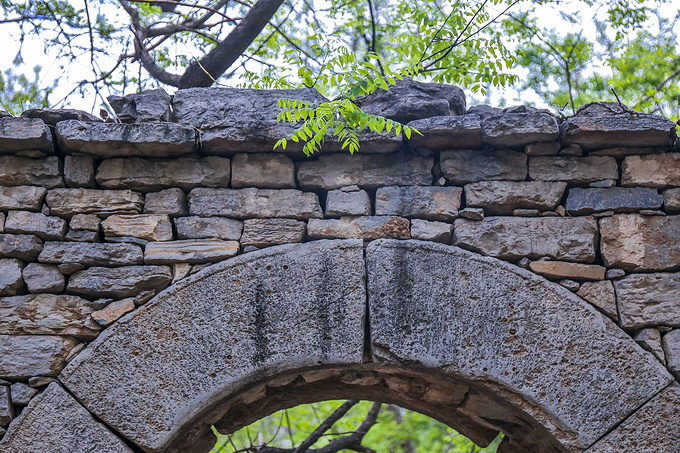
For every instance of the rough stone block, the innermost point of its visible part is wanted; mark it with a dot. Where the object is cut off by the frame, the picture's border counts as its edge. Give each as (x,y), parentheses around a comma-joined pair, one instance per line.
(467,165)
(36,223)
(145,106)
(576,170)
(151,175)
(192,251)
(368,228)
(254,203)
(650,340)
(426,230)
(43,278)
(265,171)
(21,246)
(11,280)
(600,294)
(447,132)
(621,130)
(23,356)
(267,232)
(2,222)
(54,116)
(671,201)
(620,152)
(347,201)
(429,203)
(172,202)
(79,171)
(113,311)
(655,170)
(542,149)
(648,299)
(91,254)
(21,394)
(671,348)
(25,198)
(150,227)
(617,199)
(82,236)
(67,202)
(556,270)
(21,134)
(515,130)
(503,197)
(208,227)
(119,282)
(85,222)
(6,409)
(24,171)
(512,238)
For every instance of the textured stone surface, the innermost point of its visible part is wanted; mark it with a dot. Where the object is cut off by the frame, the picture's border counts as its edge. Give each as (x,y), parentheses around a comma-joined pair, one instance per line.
(43,278)
(267,232)
(556,270)
(515,130)
(11,280)
(577,170)
(652,428)
(623,152)
(254,203)
(55,422)
(86,222)
(28,198)
(426,230)
(466,165)
(671,348)
(542,149)
(172,202)
(144,106)
(54,116)
(21,393)
(347,201)
(266,171)
(79,171)
(152,175)
(569,239)
(641,243)
(503,197)
(480,301)
(182,338)
(649,299)
(18,134)
(23,356)
(36,223)
(368,227)
(334,171)
(650,340)
(656,170)
(151,227)
(671,201)
(621,130)
(601,294)
(447,132)
(113,311)
(617,199)
(429,203)
(190,251)
(105,140)
(23,171)
(208,227)
(6,409)
(22,246)
(119,282)
(66,202)
(46,314)
(91,254)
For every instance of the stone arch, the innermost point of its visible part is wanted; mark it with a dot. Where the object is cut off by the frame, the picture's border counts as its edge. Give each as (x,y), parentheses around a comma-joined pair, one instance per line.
(476,342)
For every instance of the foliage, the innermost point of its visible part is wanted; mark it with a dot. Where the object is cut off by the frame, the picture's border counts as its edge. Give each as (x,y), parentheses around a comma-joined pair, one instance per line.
(19,93)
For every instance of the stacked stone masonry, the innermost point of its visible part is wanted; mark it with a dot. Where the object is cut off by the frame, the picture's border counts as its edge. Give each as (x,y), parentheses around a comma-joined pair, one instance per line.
(97,218)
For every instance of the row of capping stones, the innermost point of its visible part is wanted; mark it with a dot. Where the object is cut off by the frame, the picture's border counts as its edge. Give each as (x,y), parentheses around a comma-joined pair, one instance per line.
(96,218)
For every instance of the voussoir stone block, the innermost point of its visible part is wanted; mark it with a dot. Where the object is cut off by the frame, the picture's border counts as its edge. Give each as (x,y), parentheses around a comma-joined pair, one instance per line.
(150,227)
(119,282)
(46,314)
(648,299)
(472,165)
(656,170)
(36,223)
(503,197)
(26,198)
(362,227)
(23,134)
(24,171)
(429,203)
(105,140)
(447,132)
(181,336)
(148,175)
(333,171)
(66,202)
(618,199)
(266,171)
(576,170)
(24,356)
(621,130)
(641,243)
(516,127)
(193,251)
(11,280)
(55,422)
(91,254)
(512,238)
(433,305)
(208,227)
(268,232)
(25,247)
(254,203)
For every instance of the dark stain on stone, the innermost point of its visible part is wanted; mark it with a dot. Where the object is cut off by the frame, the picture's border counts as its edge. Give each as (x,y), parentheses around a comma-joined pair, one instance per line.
(261,343)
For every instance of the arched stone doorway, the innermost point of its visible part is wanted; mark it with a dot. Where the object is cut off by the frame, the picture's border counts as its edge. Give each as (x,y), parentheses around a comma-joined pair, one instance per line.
(473,341)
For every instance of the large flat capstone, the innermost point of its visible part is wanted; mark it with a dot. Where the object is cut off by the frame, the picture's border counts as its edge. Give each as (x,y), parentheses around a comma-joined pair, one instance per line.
(622,130)
(24,134)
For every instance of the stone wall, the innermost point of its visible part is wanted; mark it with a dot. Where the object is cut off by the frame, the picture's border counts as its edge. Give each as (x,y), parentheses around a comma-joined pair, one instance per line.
(96,218)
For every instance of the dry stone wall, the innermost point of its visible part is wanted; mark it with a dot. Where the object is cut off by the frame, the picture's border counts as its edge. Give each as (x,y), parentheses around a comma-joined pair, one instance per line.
(96,218)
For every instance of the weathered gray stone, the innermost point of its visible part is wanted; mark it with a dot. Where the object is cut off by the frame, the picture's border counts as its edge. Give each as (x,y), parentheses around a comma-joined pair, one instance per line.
(36,223)
(145,106)
(91,254)
(119,282)
(623,152)
(472,213)
(473,300)
(447,132)
(572,150)
(671,348)
(28,198)
(10,277)
(526,212)
(2,222)
(106,140)
(652,428)
(512,238)
(6,409)
(266,171)
(40,381)
(19,134)
(21,394)
(55,422)
(151,175)
(429,203)
(542,149)
(54,116)
(650,340)
(648,299)
(484,110)
(576,170)
(671,201)
(615,273)
(656,170)
(151,227)
(127,240)
(468,165)
(86,222)
(82,236)
(431,231)
(113,311)
(571,285)
(23,356)
(503,197)
(334,171)
(190,251)
(641,243)
(515,130)
(617,199)
(181,335)
(22,246)
(79,171)
(66,202)
(368,227)
(556,270)
(46,314)
(254,203)
(605,183)
(208,227)
(170,201)
(621,130)
(601,295)
(342,201)
(266,232)
(43,278)
(24,171)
